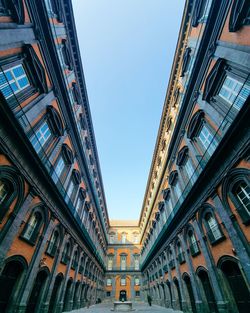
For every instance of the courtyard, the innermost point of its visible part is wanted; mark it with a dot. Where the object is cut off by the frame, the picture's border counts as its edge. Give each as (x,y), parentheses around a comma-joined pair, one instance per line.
(139,307)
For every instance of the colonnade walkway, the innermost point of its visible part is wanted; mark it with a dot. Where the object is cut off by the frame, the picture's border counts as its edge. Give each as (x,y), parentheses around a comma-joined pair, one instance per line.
(139,307)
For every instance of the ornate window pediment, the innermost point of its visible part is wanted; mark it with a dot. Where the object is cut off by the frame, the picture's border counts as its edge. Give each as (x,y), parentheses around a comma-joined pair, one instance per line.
(67,55)
(197,13)
(76,176)
(67,154)
(83,122)
(38,70)
(166,194)
(55,121)
(83,193)
(186,59)
(17,10)
(182,156)
(240,15)
(213,79)
(161,206)
(195,124)
(173,178)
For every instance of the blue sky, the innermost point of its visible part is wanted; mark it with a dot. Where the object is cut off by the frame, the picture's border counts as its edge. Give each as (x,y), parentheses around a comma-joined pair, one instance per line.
(127,49)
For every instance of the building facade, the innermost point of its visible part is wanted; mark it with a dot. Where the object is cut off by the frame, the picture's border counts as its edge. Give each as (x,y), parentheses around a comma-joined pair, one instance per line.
(53,220)
(196,211)
(123,276)
(190,248)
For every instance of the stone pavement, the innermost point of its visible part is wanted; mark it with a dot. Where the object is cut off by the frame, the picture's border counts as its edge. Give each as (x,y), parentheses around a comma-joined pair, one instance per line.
(139,307)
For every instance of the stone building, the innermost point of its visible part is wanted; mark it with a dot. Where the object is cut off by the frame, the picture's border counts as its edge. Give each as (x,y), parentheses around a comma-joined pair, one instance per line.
(196,210)
(189,249)
(123,276)
(53,220)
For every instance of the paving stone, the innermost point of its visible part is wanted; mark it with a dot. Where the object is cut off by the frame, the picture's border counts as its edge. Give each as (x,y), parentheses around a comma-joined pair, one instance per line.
(141,307)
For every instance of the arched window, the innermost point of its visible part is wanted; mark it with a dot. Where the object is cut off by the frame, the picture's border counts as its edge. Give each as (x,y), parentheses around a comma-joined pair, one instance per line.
(66,253)
(32,228)
(6,190)
(214,231)
(241,197)
(53,243)
(192,242)
(171,259)
(123,262)
(180,253)
(75,261)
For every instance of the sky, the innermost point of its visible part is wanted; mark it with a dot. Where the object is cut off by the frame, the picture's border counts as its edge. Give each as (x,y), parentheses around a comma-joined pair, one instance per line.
(127,49)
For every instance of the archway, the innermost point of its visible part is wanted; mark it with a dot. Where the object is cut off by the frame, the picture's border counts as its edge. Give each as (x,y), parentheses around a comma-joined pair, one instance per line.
(178,292)
(170,294)
(76,298)
(187,281)
(208,291)
(55,293)
(10,279)
(123,295)
(36,295)
(237,284)
(67,295)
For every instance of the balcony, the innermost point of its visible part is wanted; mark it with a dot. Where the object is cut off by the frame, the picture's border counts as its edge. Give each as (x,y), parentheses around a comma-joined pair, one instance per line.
(126,269)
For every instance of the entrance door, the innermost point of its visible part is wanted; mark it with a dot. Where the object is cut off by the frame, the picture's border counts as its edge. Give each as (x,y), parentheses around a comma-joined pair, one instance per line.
(237,284)
(208,291)
(123,295)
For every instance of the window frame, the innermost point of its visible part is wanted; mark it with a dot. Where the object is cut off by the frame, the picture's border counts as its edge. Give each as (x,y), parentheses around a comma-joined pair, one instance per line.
(36,232)
(52,251)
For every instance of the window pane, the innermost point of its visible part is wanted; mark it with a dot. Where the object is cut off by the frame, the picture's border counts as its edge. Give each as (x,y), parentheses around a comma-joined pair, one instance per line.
(243,194)
(4,190)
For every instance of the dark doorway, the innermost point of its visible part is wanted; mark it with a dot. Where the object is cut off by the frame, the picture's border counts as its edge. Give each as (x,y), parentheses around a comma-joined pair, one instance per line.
(170,294)
(55,293)
(190,293)
(67,295)
(179,292)
(9,280)
(37,292)
(123,295)
(208,291)
(237,284)
(76,295)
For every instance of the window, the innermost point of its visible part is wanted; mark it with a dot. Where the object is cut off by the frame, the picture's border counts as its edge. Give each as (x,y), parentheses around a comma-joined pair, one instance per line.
(112,238)
(60,166)
(137,293)
(52,246)
(234,92)
(74,263)
(13,80)
(190,171)
(207,140)
(193,244)
(240,15)
(70,189)
(124,237)
(110,262)
(241,193)
(66,253)
(135,238)
(214,232)
(177,190)
(123,262)
(42,135)
(108,293)
(137,263)
(32,227)
(123,281)
(181,257)
(4,191)
(109,282)
(137,281)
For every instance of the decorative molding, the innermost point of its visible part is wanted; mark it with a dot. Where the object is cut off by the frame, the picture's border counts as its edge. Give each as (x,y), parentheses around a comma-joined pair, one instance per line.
(238,15)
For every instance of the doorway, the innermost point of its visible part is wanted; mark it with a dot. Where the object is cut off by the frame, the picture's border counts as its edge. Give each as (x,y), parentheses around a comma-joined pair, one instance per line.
(123,295)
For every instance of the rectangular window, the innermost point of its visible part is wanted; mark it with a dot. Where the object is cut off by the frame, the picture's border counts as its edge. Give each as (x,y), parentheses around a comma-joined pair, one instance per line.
(42,135)
(123,281)
(109,282)
(123,262)
(13,80)
(189,168)
(208,142)
(234,92)
(60,166)
(137,264)
(108,293)
(78,206)
(110,263)
(137,293)
(70,189)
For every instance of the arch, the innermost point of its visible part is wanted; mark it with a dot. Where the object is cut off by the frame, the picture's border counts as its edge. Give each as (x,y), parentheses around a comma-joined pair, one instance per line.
(177,285)
(207,289)
(189,292)
(195,124)
(191,240)
(14,189)
(55,293)
(10,281)
(55,121)
(67,154)
(236,283)
(234,177)
(67,295)
(76,296)
(37,293)
(170,304)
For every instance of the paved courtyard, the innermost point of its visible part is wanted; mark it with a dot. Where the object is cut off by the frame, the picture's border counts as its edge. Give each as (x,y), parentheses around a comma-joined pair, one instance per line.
(106,308)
